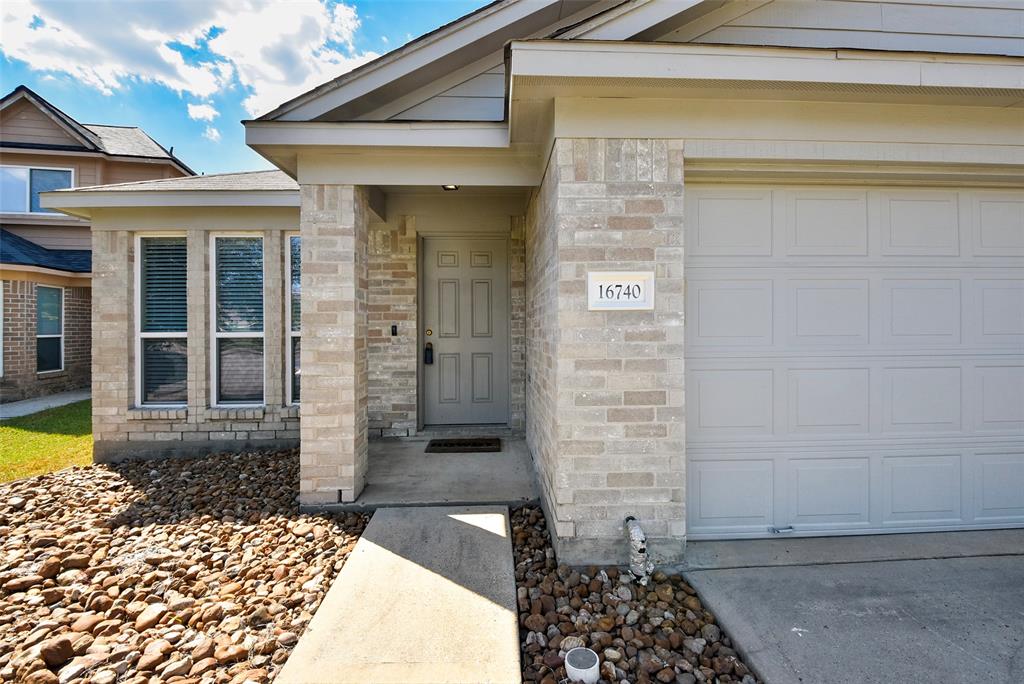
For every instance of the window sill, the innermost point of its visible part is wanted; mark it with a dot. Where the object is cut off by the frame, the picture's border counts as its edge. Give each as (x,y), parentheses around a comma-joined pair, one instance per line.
(51,374)
(290,411)
(235,413)
(154,413)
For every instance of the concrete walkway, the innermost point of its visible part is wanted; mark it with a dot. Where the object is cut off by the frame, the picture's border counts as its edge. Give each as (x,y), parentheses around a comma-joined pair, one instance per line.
(427,595)
(813,611)
(16,409)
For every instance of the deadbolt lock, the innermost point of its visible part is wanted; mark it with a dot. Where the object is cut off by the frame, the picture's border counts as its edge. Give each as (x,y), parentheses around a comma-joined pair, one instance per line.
(429,332)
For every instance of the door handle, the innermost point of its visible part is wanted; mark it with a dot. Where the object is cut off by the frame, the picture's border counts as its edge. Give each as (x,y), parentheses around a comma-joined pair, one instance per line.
(428,354)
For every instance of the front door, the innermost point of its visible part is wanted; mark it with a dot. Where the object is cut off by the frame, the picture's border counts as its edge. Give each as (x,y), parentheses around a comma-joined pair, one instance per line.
(465,331)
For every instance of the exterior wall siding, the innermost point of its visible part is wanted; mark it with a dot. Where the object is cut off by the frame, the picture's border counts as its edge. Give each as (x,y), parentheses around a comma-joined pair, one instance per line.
(605,403)
(20,379)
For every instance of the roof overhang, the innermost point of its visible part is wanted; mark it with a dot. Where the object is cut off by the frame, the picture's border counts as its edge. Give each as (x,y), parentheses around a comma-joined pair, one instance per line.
(82,203)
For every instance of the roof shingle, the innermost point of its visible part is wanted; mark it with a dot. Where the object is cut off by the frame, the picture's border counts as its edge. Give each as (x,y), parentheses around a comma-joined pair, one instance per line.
(18,251)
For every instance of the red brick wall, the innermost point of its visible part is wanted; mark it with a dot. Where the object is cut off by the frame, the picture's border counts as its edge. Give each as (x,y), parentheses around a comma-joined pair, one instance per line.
(20,380)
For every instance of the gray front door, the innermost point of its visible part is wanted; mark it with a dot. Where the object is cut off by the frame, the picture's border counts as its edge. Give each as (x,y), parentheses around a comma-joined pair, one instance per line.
(465,320)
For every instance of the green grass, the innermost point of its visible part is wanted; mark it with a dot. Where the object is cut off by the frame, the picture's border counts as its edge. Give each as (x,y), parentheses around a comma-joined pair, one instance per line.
(46,441)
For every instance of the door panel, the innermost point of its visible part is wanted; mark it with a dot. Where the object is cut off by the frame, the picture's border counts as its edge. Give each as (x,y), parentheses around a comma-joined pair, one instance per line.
(465,308)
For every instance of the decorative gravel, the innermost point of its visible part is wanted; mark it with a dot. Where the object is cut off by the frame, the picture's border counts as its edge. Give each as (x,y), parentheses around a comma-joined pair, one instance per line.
(658,633)
(198,570)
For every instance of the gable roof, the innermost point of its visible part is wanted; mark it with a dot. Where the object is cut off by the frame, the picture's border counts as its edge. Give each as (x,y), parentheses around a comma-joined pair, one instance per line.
(477,35)
(113,141)
(18,251)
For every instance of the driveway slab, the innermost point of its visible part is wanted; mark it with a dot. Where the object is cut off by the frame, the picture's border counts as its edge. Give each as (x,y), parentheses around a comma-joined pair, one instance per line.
(935,619)
(427,595)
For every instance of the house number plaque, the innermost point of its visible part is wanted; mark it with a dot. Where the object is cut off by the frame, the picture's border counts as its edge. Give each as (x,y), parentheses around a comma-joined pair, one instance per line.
(620,290)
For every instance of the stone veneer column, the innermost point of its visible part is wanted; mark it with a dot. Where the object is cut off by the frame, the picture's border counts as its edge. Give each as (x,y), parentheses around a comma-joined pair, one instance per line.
(614,444)
(333,227)
(198,373)
(112,337)
(273,319)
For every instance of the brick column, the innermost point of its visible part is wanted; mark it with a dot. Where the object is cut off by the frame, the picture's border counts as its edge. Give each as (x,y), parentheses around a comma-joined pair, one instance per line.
(112,339)
(333,227)
(609,384)
(198,284)
(273,320)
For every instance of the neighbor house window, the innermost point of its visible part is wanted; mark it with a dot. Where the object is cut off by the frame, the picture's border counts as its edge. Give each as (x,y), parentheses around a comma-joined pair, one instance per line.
(237,275)
(20,187)
(162,321)
(294,314)
(49,329)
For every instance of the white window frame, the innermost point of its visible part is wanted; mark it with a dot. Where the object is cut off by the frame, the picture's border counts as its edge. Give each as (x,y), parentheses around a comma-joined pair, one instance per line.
(289,334)
(215,336)
(28,187)
(63,317)
(139,335)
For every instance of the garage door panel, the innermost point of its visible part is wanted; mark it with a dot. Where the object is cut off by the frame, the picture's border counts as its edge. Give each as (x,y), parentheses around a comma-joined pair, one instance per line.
(922,490)
(868,344)
(729,222)
(731,496)
(921,312)
(999,398)
(999,224)
(730,312)
(835,400)
(730,402)
(922,399)
(829,312)
(826,222)
(999,487)
(917,223)
(999,306)
(829,492)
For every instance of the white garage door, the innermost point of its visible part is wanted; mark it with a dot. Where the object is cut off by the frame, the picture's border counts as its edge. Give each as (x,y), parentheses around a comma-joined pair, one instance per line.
(855,359)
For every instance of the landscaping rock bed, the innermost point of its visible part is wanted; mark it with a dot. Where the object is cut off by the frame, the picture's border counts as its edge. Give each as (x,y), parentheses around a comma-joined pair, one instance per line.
(658,633)
(197,570)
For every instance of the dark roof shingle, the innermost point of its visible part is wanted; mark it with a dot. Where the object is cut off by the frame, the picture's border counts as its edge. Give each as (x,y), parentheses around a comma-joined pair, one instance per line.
(18,251)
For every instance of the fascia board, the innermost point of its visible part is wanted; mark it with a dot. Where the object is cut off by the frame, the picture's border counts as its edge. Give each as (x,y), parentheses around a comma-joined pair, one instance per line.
(630,19)
(576,59)
(385,134)
(77,202)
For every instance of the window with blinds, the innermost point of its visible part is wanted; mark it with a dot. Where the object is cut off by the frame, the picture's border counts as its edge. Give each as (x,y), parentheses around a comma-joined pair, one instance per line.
(162,320)
(294,315)
(238,319)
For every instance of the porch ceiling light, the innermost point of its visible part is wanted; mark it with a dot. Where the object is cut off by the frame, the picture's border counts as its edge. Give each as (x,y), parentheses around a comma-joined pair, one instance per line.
(449,188)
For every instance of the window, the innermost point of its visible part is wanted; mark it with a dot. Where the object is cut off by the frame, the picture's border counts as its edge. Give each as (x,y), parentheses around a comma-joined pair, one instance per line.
(20,187)
(161,321)
(237,275)
(294,313)
(49,329)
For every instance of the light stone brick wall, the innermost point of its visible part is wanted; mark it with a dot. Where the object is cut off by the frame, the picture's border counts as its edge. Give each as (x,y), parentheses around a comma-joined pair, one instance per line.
(333,226)
(605,400)
(121,429)
(392,301)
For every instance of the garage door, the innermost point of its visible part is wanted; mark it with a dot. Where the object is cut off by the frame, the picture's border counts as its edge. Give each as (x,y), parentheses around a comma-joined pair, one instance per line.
(855,359)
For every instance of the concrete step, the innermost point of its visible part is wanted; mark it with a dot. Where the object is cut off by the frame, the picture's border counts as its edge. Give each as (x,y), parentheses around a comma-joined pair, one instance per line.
(427,596)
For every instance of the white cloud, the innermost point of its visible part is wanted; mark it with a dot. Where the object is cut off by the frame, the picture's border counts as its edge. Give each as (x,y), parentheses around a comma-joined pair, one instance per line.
(202,112)
(273,50)
(211,134)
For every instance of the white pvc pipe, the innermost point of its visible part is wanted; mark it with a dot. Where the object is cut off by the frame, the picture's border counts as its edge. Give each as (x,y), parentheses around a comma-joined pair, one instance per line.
(582,665)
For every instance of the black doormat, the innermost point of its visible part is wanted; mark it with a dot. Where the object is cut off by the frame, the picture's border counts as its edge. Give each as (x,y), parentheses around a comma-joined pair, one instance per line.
(467,445)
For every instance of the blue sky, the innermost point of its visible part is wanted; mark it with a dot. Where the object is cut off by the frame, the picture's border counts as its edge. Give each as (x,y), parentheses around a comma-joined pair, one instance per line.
(187,71)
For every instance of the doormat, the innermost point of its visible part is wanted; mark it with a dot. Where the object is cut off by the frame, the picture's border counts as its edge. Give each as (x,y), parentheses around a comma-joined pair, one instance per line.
(466,445)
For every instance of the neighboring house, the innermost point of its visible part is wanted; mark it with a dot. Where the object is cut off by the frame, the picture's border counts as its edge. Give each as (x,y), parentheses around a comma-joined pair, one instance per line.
(44,255)
(735,268)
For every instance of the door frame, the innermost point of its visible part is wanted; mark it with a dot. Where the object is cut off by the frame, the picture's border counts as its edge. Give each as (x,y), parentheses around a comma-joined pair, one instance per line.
(421,338)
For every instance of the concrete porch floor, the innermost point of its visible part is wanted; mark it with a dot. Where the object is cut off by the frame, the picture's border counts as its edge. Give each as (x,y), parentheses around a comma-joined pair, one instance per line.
(400,473)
